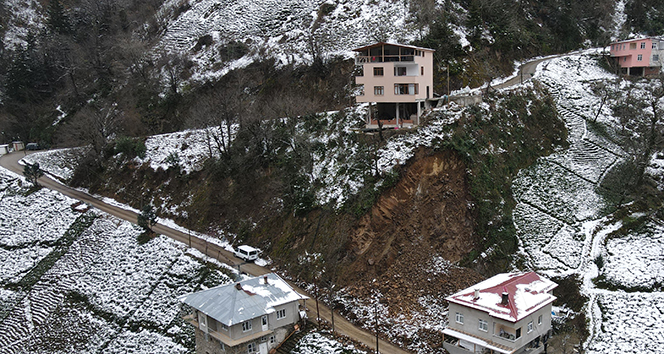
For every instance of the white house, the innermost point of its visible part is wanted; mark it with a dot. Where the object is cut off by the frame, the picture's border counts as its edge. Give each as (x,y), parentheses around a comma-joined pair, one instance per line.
(250,316)
(398,79)
(509,313)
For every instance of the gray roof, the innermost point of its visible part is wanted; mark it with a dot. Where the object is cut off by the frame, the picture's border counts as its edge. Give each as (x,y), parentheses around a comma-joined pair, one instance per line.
(228,305)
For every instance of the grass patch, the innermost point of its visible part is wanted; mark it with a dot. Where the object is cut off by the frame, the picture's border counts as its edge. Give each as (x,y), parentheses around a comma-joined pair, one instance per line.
(496,142)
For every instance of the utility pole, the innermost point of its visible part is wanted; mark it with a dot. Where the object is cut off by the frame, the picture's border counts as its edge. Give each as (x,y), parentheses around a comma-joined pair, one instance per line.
(332,312)
(447,68)
(376,317)
(317,308)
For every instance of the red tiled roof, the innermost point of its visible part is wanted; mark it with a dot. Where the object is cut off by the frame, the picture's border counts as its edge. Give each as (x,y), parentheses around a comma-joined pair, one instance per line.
(527,292)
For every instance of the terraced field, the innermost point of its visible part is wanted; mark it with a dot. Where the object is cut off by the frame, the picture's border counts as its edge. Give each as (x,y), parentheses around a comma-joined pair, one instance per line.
(562,222)
(81,283)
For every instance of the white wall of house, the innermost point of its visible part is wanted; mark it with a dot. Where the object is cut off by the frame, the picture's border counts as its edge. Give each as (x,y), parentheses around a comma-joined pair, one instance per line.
(471,320)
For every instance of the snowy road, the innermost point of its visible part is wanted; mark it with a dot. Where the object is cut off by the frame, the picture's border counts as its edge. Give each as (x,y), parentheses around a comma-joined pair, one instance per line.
(342,325)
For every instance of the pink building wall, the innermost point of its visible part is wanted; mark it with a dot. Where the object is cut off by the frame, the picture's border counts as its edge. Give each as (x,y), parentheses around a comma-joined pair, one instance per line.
(419,71)
(628,52)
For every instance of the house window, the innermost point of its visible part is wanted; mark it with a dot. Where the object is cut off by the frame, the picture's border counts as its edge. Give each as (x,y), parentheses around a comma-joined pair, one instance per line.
(539,320)
(400,71)
(530,326)
(639,57)
(378,71)
(271,339)
(624,59)
(251,348)
(655,57)
(422,70)
(379,90)
(654,46)
(281,314)
(223,327)
(518,333)
(246,326)
(643,45)
(632,46)
(459,318)
(405,89)
(484,325)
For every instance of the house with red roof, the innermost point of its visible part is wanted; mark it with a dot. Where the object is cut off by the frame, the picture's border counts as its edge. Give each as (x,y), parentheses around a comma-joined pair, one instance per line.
(509,313)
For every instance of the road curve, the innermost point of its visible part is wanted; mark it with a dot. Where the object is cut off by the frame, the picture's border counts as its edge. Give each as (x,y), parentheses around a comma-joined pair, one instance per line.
(342,325)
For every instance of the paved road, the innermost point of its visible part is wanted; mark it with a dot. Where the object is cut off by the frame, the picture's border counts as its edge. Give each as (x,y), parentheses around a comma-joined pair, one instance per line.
(342,325)
(527,70)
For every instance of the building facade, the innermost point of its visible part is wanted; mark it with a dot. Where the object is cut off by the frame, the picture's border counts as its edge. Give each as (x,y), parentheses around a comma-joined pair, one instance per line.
(509,313)
(643,56)
(397,80)
(250,316)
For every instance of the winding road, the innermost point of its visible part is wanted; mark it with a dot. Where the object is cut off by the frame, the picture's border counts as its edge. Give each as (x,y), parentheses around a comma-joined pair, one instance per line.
(342,325)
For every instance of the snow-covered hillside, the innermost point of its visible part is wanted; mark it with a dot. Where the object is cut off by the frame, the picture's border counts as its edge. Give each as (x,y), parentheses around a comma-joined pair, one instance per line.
(562,220)
(70,290)
(291,31)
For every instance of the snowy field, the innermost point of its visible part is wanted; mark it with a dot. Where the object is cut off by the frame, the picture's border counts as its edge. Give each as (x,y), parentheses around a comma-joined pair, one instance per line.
(59,163)
(318,343)
(562,221)
(103,292)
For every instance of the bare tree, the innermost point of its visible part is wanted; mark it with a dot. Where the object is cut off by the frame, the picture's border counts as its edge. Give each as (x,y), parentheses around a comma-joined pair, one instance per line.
(97,124)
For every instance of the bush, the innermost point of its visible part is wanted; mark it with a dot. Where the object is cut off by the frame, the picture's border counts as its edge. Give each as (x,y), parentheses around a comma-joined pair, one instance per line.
(130,147)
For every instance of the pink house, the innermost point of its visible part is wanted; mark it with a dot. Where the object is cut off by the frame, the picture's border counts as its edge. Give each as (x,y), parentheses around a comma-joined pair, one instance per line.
(398,79)
(641,56)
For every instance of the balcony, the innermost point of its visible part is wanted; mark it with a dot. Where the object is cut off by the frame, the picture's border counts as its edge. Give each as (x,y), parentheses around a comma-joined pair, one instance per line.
(384,59)
(224,338)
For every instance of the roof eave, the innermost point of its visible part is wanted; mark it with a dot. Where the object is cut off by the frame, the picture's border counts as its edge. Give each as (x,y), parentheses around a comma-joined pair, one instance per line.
(394,44)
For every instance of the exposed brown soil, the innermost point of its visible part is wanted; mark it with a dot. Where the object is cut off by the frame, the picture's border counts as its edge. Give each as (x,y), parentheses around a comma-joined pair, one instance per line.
(425,215)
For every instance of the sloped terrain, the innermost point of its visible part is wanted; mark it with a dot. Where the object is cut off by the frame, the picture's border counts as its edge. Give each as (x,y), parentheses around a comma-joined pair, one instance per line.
(293,31)
(78,283)
(563,217)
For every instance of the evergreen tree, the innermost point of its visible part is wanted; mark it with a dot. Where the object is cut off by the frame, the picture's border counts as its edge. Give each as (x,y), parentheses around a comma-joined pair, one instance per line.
(33,173)
(58,22)
(147,218)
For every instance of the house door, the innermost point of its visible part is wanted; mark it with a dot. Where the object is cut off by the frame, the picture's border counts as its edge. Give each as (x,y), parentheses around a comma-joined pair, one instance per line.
(264,322)
(262,348)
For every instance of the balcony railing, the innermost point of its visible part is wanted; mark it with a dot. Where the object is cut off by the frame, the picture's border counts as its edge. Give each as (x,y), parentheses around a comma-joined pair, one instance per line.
(506,335)
(384,59)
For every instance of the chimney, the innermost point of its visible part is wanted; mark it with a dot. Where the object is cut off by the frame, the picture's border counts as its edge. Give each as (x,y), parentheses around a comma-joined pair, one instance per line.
(505,299)
(238,286)
(477,294)
(265,279)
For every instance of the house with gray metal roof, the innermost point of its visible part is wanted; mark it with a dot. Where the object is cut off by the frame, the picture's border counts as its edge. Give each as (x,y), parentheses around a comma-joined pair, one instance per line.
(250,316)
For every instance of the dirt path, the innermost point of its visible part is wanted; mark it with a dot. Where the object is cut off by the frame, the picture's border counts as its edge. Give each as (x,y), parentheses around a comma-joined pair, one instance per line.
(342,325)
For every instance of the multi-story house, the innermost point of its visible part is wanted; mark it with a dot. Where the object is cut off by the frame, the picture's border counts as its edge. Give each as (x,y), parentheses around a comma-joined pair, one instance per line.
(643,56)
(509,313)
(250,316)
(398,79)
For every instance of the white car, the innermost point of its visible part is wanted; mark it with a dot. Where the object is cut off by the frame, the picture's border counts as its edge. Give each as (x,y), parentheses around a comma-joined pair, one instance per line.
(247,253)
